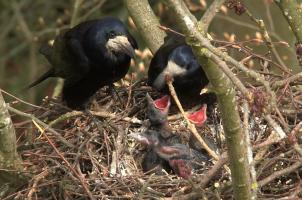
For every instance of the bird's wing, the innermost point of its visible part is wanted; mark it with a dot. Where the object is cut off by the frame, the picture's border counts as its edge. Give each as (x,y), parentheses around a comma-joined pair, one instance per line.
(73,39)
(76,49)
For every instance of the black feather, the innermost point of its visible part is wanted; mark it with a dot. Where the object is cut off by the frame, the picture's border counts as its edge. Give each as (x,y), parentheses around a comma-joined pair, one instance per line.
(85,58)
(177,51)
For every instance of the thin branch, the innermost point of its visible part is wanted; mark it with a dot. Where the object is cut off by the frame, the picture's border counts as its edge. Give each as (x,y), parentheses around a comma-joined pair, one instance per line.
(290,79)
(93,10)
(103,114)
(291,10)
(267,39)
(82,181)
(210,13)
(76,9)
(246,130)
(46,127)
(236,81)
(206,178)
(20,100)
(225,93)
(280,132)
(191,126)
(280,173)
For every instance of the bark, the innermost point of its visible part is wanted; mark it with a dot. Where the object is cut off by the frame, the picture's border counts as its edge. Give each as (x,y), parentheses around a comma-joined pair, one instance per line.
(8,153)
(10,162)
(226,98)
(146,23)
(293,14)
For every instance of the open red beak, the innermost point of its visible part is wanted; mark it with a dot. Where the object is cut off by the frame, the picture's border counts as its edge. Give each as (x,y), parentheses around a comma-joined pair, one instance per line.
(199,117)
(162,103)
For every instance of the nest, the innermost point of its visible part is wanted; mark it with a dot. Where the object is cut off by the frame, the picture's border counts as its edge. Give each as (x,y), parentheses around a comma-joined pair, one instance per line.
(89,154)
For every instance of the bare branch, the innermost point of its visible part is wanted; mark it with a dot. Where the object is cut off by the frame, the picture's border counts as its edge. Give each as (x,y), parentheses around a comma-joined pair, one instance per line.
(146,23)
(210,13)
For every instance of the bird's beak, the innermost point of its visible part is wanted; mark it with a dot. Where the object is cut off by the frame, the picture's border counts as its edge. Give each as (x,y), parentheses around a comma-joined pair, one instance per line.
(163,103)
(199,117)
(159,107)
(121,43)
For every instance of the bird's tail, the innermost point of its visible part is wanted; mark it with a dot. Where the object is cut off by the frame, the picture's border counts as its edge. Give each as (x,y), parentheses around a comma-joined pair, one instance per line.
(49,73)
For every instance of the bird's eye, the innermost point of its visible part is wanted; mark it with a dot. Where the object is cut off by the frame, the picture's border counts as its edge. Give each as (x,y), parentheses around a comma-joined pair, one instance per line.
(111,34)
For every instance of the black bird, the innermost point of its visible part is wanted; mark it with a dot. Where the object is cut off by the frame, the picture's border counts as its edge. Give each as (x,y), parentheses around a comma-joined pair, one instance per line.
(176,60)
(179,157)
(152,162)
(157,113)
(164,149)
(89,56)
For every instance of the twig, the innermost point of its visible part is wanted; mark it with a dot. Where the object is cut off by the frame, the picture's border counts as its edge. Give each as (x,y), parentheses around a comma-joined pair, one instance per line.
(210,14)
(290,79)
(170,30)
(292,138)
(214,170)
(76,9)
(277,174)
(246,131)
(267,39)
(129,92)
(209,50)
(82,181)
(36,181)
(272,139)
(276,136)
(93,10)
(225,93)
(275,126)
(191,126)
(46,127)
(236,81)
(116,153)
(243,24)
(292,135)
(95,113)
(20,100)
(292,13)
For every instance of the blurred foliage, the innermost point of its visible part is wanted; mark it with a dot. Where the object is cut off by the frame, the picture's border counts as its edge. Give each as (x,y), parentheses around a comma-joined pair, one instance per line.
(40,20)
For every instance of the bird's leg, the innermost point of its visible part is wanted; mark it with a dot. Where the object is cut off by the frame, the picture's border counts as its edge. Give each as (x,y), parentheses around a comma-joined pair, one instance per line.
(114,93)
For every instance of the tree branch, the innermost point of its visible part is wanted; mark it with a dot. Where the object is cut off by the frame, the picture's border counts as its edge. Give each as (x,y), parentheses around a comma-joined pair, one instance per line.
(210,13)
(292,13)
(8,147)
(226,99)
(146,23)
